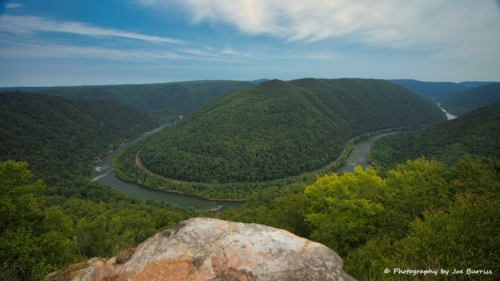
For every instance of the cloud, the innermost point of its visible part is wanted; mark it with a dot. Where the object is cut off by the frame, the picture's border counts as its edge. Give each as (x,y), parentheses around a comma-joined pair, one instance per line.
(32,24)
(12,5)
(44,50)
(459,26)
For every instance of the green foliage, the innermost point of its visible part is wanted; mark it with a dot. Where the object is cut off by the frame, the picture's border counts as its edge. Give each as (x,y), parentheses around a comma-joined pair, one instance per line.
(465,100)
(42,234)
(162,99)
(44,229)
(16,194)
(421,215)
(60,138)
(279,129)
(431,90)
(475,133)
(345,211)
(464,237)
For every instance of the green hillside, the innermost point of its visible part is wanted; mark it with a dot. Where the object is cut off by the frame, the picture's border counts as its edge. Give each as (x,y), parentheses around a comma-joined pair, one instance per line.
(61,137)
(176,98)
(462,101)
(475,133)
(432,90)
(280,129)
(45,228)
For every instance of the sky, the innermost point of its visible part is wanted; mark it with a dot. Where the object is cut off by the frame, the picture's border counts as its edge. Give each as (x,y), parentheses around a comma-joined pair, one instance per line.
(64,43)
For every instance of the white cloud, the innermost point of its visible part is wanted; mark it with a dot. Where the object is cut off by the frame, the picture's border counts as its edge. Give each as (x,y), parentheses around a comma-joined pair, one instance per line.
(31,24)
(41,50)
(460,27)
(13,5)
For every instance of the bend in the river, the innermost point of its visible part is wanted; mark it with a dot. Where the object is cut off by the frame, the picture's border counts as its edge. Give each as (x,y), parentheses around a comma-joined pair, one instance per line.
(102,173)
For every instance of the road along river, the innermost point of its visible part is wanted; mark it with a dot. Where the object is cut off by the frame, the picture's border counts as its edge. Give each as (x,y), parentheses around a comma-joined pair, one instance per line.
(102,173)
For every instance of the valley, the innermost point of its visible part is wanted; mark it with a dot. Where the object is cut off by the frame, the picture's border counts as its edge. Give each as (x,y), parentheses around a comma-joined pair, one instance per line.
(249,140)
(87,148)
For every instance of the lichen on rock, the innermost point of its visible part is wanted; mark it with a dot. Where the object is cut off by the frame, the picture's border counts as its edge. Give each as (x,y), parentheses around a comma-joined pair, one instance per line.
(212,250)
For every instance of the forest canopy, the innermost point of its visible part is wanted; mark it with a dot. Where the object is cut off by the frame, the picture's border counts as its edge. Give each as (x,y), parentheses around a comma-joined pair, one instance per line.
(475,133)
(280,129)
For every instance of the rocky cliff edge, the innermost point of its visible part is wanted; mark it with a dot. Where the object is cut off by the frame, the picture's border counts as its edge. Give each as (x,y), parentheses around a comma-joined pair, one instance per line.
(211,249)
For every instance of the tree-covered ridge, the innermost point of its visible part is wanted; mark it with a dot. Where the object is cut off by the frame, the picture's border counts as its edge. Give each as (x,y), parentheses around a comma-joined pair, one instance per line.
(41,234)
(421,215)
(432,90)
(280,129)
(61,137)
(176,98)
(462,101)
(476,133)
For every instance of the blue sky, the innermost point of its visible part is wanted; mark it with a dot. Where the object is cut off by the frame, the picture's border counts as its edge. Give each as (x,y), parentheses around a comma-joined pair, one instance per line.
(49,43)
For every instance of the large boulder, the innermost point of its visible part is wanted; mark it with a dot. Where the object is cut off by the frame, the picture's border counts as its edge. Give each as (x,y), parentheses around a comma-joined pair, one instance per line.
(211,249)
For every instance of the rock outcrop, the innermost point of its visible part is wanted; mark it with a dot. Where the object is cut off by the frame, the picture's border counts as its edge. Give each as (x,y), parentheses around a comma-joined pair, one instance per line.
(211,249)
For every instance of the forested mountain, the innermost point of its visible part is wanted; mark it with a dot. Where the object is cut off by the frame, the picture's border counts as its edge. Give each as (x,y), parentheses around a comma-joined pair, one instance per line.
(472,84)
(430,90)
(420,215)
(465,100)
(476,133)
(280,129)
(22,89)
(177,98)
(44,228)
(61,137)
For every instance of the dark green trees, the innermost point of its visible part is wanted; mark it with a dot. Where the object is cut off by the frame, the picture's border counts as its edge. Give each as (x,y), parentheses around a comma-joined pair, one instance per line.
(280,129)
(475,133)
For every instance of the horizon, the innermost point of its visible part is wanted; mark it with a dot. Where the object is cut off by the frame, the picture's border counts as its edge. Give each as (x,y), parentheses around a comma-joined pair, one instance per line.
(117,42)
(199,80)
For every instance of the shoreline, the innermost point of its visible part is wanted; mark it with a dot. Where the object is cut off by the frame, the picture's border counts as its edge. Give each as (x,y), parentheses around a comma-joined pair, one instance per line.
(179,192)
(112,150)
(345,152)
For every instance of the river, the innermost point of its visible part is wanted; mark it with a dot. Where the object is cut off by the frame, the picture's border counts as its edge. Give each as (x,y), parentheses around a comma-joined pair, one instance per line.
(103,174)
(359,154)
(448,115)
(361,150)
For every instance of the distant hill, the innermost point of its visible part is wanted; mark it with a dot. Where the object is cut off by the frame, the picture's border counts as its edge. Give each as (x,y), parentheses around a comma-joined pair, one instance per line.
(176,98)
(465,100)
(435,90)
(258,81)
(22,89)
(476,133)
(472,84)
(279,129)
(430,90)
(59,136)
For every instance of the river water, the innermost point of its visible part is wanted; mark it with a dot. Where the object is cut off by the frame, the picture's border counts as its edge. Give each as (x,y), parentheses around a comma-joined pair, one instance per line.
(359,154)
(448,115)
(103,174)
(361,150)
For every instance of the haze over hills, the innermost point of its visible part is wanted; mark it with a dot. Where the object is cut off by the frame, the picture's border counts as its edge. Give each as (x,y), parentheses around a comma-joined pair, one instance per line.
(279,129)
(465,100)
(476,133)
(434,90)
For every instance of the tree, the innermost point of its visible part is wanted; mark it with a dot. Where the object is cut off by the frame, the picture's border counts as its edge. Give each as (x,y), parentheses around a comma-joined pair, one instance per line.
(345,210)
(19,248)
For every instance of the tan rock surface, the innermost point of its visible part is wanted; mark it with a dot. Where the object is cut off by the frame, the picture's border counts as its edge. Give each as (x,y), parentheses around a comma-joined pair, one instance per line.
(211,249)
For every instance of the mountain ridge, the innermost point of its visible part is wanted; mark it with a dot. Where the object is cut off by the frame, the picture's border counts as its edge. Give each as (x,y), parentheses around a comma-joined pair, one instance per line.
(474,133)
(260,133)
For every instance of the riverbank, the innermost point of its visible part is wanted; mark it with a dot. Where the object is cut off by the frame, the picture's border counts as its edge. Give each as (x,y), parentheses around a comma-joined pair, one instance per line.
(99,159)
(179,192)
(157,182)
